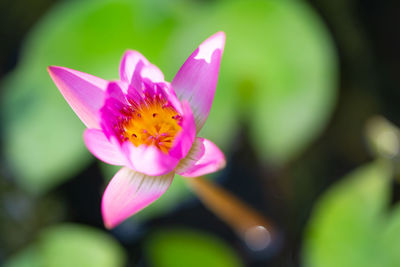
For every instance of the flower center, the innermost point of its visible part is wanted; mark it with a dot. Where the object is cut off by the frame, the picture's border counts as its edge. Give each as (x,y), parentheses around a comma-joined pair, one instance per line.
(152,123)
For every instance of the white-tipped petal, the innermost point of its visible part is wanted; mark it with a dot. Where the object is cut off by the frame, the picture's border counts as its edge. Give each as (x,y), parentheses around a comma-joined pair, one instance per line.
(197,78)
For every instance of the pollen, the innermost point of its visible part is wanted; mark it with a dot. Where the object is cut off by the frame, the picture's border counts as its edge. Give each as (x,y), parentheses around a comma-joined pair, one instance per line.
(152,123)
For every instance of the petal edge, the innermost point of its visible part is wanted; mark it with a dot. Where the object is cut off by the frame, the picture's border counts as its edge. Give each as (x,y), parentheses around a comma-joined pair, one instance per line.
(204,157)
(102,148)
(134,63)
(83,92)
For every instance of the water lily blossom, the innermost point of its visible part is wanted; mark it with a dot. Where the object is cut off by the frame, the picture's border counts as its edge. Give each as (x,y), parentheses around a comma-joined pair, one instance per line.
(146,125)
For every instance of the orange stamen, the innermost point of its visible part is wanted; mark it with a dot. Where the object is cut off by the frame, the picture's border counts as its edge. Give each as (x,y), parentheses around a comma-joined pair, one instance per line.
(153,124)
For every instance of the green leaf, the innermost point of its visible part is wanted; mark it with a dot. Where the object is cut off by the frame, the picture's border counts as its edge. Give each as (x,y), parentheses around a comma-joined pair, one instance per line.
(346,225)
(179,247)
(389,245)
(25,258)
(70,245)
(75,245)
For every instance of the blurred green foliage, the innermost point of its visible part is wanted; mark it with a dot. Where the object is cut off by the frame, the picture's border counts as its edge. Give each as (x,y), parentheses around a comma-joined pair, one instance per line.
(25,258)
(352,225)
(278,76)
(278,73)
(182,247)
(71,245)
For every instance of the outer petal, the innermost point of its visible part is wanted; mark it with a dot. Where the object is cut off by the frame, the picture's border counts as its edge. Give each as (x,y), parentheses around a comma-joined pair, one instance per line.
(204,157)
(197,78)
(98,145)
(134,63)
(83,92)
(129,192)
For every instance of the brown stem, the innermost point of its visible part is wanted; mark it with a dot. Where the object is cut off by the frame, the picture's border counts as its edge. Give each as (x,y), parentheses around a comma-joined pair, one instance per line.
(252,227)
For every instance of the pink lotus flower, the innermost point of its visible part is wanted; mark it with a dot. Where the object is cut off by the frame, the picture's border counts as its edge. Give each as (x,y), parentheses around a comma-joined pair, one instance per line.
(146,124)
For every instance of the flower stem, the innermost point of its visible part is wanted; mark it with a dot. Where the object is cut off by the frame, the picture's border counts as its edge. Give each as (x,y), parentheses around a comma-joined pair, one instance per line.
(252,227)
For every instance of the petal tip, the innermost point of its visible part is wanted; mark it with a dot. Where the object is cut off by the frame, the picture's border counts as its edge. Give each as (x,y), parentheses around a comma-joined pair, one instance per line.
(52,70)
(214,42)
(109,221)
(210,45)
(108,226)
(219,38)
(129,61)
(222,165)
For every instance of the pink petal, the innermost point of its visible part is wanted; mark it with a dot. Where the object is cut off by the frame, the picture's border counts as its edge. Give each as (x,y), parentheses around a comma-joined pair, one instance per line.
(153,73)
(117,90)
(148,159)
(184,139)
(204,157)
(128,64)
(83,92)
(197,78)
(134,63)
(129,192)
(98,145)
(114,109)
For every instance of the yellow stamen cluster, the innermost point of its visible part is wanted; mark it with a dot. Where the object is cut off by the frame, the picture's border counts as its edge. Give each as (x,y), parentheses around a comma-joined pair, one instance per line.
(152,124)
